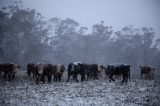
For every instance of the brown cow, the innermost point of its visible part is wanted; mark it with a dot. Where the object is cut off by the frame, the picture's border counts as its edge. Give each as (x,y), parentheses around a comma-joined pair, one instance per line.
(43,70)
(31,69)
(58,72)
(9,70)
(40,73)
(93,71)
(147,72)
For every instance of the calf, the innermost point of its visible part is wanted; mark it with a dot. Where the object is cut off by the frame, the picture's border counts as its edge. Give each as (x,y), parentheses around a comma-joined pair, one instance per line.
(58,72)
(148,71)
(9,70)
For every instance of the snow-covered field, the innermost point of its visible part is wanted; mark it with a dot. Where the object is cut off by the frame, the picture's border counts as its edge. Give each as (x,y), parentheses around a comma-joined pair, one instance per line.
(22,92)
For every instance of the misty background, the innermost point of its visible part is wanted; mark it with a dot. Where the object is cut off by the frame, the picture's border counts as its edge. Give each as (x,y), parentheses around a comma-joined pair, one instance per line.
(104,32)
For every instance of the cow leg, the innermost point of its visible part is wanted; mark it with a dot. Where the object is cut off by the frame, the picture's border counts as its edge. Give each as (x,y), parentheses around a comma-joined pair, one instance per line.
(96,76)
(5,76)
(124,77)
(88,76)
(76,78)
(13,76)
(116,77)
(147,76)
(59,77)
(152,75)
(111,78)
(55,78)
(29,73)
(129,77)
(33,75)
(43,79)
(83,77)
(37,79)
(141,75)
(91,76)
(49,78)
(9,76)
(68,77)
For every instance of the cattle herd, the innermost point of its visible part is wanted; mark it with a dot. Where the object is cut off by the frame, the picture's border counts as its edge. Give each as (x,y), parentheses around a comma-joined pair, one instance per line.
(87,71)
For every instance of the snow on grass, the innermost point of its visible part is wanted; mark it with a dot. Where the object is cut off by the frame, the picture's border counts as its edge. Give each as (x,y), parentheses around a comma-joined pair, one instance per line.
(24,92)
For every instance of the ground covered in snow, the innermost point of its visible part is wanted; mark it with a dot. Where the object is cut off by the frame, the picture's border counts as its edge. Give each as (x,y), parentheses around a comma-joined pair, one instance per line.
(22,92)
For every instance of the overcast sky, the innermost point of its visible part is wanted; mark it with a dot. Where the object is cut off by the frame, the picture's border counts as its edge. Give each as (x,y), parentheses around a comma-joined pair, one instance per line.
(116,13)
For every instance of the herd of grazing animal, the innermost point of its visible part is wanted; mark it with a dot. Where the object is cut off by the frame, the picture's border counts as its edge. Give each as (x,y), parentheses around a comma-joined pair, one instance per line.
(87,71)
(40,71)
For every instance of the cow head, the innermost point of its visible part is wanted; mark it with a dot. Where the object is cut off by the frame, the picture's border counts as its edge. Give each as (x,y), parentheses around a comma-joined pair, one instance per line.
(99,68)
(58,68)
(14,67)
(62,68)
(40,68)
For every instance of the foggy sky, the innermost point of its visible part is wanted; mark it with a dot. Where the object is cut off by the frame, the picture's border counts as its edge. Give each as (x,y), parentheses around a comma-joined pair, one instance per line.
(116,13)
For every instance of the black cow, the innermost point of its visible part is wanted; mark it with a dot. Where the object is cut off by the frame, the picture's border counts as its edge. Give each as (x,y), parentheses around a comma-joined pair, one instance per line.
(75,69)
(82,70)
(43,70)
(123,70)
(31,69)
(148,71)
(72,71)
(58,72)
(9,70)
